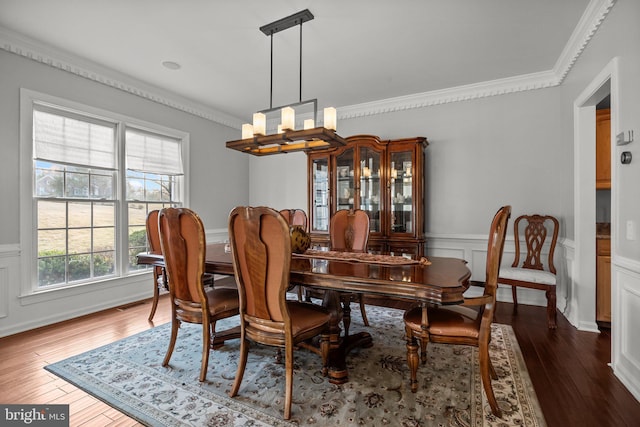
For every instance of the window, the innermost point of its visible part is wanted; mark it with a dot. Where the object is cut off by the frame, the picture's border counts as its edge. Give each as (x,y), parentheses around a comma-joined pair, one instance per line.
(95,176)
(154,166)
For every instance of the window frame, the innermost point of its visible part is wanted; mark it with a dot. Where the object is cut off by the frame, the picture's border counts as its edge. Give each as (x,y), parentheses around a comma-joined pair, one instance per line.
(30,292)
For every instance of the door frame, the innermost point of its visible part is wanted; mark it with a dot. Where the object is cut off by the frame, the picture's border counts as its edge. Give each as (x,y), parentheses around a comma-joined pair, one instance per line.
(583,292)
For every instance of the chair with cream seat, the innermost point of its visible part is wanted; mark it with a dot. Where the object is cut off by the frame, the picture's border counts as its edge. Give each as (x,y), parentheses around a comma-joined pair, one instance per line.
(532,272)
(261,253)
(465,324)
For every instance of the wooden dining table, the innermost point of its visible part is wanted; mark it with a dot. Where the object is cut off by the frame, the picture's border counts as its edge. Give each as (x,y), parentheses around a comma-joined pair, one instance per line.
(438,281)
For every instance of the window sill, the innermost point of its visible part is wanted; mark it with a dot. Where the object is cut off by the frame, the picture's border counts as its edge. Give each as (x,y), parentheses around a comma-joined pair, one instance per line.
(42,296)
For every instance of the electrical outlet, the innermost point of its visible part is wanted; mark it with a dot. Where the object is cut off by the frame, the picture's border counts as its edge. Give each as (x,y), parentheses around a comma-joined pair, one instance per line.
(631,230)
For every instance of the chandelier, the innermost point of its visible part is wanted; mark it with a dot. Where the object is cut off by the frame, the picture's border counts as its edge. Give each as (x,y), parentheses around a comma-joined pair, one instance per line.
(289,135)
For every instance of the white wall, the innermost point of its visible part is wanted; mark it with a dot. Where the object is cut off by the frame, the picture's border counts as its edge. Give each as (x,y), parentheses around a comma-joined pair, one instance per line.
(618,37)
(219,181)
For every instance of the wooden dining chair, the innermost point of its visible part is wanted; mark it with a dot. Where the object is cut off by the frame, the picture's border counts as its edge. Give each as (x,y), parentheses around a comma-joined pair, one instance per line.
(160,280)
(532,273)
(349,231)
(467,324)
(296,217)
(183,244)
(159,273)
(261,252)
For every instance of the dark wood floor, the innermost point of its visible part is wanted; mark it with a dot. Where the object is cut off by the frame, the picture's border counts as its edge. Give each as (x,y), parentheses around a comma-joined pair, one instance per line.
(568,368)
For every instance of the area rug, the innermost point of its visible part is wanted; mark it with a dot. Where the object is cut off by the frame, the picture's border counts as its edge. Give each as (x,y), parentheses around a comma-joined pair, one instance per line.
(128,376)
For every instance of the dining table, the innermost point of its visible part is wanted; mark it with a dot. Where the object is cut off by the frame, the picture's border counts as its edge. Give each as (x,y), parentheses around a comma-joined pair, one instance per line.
(436,280)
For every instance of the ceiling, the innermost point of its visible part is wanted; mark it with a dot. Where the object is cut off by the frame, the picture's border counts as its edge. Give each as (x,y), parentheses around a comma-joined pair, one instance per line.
(354,51)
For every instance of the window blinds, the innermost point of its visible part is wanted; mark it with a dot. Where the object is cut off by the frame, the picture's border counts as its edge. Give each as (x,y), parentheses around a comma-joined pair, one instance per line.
(67,140)
(147,152)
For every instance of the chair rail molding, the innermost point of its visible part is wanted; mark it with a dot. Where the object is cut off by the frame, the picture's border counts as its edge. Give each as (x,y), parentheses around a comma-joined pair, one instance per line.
(473,248)
(217,235)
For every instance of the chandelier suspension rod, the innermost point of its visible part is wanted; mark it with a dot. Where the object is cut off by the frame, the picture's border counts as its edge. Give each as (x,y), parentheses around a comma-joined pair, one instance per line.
(300,92)
(271,82)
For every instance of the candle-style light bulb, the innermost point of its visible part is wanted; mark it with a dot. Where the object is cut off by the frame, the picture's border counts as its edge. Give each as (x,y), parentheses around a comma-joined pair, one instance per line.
(259,124)
(309,124)
(330,118)
(247,131)
(288,118)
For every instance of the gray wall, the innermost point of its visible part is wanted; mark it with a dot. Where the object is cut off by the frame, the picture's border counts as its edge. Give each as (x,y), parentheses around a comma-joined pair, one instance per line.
(482,154)
(219,180)
(515,148)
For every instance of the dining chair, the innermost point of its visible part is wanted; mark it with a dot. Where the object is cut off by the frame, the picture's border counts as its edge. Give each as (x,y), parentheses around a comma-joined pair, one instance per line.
(182,238)
(159,273)
(296,217)
(532,273)
(465,324)
(261,253)
(349,231)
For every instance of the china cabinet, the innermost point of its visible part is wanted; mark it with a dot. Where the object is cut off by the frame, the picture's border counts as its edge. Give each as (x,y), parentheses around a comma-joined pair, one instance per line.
(385,178)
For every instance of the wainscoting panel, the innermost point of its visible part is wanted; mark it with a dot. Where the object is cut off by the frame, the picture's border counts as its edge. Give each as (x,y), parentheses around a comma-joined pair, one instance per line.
(4,291)
(217,235)
(473,248)
(9,267)
(626,357)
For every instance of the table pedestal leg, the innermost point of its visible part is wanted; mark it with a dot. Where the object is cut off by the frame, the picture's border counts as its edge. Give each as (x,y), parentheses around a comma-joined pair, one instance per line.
(340,346)
(221,336)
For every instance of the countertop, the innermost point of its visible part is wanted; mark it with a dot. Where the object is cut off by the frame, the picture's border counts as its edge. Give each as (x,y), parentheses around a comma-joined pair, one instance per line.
(603,230)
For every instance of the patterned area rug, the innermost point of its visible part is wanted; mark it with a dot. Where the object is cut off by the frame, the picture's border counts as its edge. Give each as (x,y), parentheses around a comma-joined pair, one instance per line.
(128,376)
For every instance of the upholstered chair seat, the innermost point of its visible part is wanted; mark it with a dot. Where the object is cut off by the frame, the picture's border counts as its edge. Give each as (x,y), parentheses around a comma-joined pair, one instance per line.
(458,321)
(531,272)
(528,275)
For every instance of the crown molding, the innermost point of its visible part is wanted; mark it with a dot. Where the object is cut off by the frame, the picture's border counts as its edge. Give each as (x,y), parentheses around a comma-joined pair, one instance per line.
(589,23)
(28,48)
(592,18)
(455,94)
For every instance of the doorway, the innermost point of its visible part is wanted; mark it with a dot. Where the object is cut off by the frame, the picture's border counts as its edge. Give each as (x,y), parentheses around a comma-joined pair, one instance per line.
(604,88)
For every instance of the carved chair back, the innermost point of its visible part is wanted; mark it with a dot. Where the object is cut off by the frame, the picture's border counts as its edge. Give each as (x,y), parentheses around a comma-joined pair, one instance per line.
(535,231)
(349,230)
(296,217)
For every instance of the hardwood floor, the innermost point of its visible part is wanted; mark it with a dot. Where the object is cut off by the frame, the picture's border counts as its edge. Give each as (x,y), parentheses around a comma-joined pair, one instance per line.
(568,368)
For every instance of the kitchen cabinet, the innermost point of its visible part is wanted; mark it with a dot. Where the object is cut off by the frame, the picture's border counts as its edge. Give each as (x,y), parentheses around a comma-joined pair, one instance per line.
(603,149)
(603,280)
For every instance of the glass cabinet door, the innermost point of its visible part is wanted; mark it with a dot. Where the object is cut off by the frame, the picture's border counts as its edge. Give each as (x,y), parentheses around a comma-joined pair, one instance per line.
(401,180)
(320,194)
(345,180)
(370,191)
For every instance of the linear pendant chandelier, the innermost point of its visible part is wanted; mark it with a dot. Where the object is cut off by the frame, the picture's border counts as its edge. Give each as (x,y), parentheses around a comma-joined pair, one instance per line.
(286,139)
